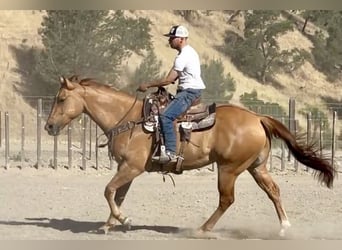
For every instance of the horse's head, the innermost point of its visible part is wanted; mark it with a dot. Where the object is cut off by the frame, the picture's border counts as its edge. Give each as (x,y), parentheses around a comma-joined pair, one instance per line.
(68,105)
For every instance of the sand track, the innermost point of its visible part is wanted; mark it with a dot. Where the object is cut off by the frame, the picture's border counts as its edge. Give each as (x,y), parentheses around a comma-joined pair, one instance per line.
(69,204)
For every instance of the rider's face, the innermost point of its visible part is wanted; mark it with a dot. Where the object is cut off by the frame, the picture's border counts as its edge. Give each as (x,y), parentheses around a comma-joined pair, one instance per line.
(174,42)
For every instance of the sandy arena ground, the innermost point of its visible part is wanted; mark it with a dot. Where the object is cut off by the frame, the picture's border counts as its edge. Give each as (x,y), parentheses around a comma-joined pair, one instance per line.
(69,204)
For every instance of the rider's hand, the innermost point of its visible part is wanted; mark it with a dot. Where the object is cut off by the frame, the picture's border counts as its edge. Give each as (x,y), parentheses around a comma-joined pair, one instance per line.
(143,87)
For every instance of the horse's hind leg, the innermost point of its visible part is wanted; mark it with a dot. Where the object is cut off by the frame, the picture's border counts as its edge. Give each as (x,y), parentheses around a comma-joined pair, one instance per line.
(265,181)
(119,186)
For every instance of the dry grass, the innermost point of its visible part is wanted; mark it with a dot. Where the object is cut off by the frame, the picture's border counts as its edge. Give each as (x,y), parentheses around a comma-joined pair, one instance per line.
(16,27)
(306,84)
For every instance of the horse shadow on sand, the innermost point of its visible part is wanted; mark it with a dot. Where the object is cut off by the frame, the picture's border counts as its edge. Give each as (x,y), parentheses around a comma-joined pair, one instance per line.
(92,227)
(86,226)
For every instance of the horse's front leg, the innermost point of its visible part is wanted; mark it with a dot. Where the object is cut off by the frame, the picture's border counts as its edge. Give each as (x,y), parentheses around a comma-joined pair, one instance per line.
(119,186)
(120,195)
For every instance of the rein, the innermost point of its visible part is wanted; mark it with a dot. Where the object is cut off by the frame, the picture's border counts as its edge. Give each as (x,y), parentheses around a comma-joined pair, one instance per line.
(130,109)
(120,128)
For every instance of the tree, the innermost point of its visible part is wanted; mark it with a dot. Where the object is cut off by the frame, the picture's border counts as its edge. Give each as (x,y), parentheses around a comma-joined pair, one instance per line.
(319,17)
(148,70)
(258,53)
(327,51)
(252,102)
(218,85)
(89,43)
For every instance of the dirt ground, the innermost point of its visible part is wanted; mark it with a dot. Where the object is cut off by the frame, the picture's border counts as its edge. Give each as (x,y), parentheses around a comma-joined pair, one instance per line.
(69,204)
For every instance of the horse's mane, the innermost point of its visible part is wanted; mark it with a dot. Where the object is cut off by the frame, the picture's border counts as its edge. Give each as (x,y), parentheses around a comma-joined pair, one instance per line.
(91,82)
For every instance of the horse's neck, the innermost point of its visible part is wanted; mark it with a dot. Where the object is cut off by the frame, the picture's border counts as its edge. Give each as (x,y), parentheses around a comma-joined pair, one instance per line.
(107,109)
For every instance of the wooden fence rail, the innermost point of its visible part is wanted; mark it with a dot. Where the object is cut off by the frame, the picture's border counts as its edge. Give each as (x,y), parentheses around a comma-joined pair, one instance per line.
(77,146)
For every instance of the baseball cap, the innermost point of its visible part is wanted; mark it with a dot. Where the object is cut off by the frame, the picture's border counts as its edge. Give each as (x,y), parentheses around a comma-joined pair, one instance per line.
(178,31)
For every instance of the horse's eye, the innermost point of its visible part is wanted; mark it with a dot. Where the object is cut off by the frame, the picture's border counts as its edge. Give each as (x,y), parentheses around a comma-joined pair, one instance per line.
(60,100)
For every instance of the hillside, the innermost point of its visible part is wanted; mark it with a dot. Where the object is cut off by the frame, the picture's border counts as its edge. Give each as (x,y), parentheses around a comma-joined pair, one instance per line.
(16,27)
(306,84)
(208,32)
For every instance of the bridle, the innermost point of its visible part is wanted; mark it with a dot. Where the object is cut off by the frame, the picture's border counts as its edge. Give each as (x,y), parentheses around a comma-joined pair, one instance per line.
(120,128)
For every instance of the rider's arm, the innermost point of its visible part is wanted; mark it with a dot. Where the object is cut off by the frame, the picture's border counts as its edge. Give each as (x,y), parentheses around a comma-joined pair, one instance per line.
(170,78)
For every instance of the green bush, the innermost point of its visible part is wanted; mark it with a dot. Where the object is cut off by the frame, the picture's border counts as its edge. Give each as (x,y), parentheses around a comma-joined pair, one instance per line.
(251,101)
(89,43)
(319,124)
(327,50)
(147,71)
(219,87)
(258,54)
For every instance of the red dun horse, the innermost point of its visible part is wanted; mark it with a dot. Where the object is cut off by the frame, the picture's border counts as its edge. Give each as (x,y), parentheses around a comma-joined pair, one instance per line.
(239,140)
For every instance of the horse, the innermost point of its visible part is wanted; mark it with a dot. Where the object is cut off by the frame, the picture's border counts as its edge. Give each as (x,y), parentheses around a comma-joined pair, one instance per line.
(239,140)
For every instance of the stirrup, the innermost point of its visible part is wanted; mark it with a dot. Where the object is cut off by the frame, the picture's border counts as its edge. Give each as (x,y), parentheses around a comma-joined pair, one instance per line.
(166,158)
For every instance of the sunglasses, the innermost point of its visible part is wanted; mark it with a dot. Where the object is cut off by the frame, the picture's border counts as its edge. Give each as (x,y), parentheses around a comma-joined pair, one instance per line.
(172,38)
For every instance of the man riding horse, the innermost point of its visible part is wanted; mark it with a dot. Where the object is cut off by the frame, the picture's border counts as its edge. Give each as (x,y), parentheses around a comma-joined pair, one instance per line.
(239,140)
(187,69)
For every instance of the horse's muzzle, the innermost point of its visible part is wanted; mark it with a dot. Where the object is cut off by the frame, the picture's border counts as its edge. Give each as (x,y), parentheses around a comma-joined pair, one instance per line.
(52,129)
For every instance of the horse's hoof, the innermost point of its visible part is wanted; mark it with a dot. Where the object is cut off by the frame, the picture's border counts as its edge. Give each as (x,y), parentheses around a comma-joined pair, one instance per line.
(282,233)
(284,226)
(127,222)
(203,234)
(105,228)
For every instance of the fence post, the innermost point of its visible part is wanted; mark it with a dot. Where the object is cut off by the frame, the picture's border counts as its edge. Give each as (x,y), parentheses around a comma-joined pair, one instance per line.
(333,142)
(308,131)
(22,152)
(0,130)
(90,141)
(292,117)
(69,146)
(282,150)
(39,131)
(321,136)
(55,150)
(7,144)
(84,122)
(295,163)
(96,149)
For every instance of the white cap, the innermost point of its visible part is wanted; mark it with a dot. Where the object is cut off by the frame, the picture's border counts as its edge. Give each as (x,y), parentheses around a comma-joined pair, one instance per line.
(178,31)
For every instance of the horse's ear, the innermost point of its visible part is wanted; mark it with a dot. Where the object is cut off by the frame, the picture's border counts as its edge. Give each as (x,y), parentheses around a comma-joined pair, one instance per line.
(66,83)
(62,80)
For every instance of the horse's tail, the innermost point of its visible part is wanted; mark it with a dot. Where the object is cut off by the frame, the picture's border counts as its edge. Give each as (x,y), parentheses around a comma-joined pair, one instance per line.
(306,154)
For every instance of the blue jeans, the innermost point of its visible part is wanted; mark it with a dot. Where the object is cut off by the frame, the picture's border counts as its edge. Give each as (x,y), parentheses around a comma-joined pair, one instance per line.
(178,106)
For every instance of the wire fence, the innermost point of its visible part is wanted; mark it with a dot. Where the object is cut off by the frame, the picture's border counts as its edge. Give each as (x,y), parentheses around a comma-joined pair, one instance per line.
(25,143)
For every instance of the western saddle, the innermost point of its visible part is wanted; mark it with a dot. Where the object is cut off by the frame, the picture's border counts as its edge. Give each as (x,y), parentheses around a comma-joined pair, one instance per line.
(197,118)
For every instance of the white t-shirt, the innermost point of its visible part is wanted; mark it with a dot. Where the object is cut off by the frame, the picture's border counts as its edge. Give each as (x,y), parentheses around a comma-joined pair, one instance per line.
(188,66)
